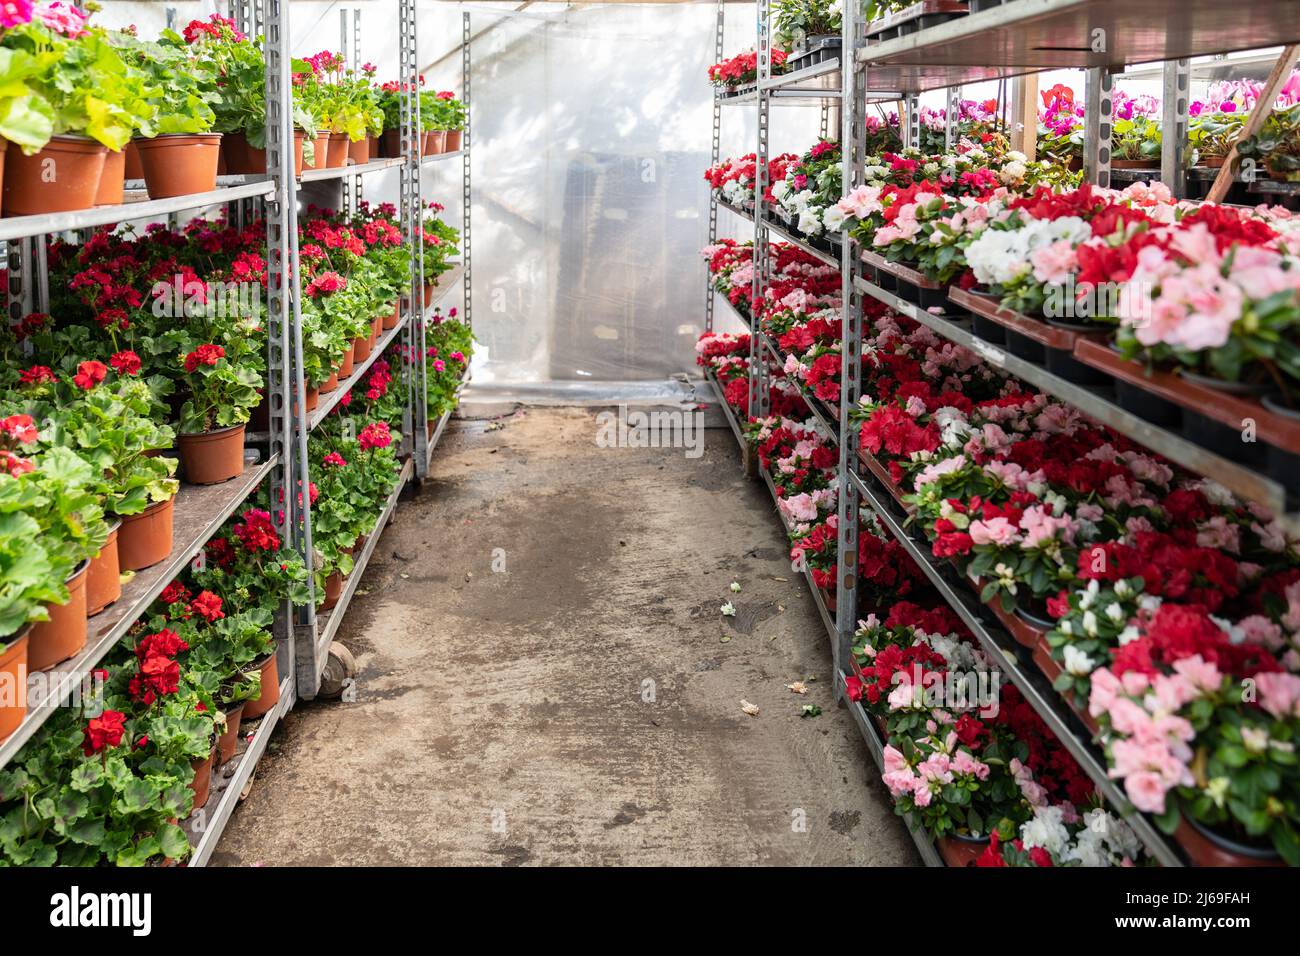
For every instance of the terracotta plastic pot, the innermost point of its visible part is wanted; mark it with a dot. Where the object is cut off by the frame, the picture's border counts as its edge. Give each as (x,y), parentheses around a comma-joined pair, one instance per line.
(313,399)
(391,320)
(361,348)
(321,146)
(134,168)
(4,148)
(64,634)
(202,783)
(435,142)
(178,164)
(13,681)
(1134,164)
(961,850)
(209,458)
(376,146)
(359,152)
(104,580)
(333,588)
(392,144)
(1206,848)
(76,163)
(146,538)
(346,363)
(331,383)
(112,181)
(229,740)
(376,329)
(454,140)
(338,150)
(299,137)
(270,695)
(243,159)
(428,294)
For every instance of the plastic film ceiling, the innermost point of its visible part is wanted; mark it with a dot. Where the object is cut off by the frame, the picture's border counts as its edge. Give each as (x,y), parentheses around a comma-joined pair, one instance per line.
(591,135)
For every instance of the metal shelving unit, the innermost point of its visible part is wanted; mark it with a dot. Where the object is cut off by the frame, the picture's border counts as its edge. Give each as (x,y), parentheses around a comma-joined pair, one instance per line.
(315,631)
(201,510)
(832,82)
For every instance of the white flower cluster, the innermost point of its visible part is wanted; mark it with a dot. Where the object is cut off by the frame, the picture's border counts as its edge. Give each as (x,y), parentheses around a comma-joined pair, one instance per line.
(1101,840)
(1000,256)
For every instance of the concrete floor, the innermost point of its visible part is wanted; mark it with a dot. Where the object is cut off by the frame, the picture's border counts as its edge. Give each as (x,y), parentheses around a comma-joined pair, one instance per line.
(499,715)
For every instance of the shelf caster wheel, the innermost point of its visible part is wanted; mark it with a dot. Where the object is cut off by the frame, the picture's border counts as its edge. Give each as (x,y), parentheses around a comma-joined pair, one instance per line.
(337,680)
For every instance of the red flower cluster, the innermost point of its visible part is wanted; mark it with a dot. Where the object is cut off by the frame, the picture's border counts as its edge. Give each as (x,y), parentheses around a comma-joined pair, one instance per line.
(256,533)
(204,355)
(125,363)
(89,374)
(375,435)
(103,731)
(157,673)
(1175,632)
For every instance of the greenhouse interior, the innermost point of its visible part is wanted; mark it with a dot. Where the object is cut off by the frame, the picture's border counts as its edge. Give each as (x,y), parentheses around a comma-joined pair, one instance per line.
(793,433)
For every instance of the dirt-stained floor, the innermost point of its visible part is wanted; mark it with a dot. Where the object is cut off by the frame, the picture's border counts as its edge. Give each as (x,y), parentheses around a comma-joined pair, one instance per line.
(545,677)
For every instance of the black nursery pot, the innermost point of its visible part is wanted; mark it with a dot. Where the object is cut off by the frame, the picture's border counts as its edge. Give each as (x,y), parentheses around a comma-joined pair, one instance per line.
(934,298)
(1063,364)
(988,330)
(1220,439)
(888,281)
(1151,408)
(1022,346)
(908,292)
(1283,466)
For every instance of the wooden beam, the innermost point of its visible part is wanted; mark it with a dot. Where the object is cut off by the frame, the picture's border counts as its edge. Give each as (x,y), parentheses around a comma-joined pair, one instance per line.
(1024,114)
(1267,97)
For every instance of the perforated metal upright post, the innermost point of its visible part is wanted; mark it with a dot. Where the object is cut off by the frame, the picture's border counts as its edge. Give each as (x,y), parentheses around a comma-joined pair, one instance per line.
(912,107)
(285,389)
(466,196)
(1173,144)
(1098,116)
(350,47)
(759,397)
(853,121)
(415,436)
(714,154)
(951,117)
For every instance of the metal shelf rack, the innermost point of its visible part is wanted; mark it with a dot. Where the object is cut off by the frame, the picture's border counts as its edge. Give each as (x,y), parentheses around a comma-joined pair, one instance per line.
(201,510)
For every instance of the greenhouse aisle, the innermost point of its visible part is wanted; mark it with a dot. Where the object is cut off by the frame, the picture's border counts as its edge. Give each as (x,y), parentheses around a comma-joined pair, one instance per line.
(499,715)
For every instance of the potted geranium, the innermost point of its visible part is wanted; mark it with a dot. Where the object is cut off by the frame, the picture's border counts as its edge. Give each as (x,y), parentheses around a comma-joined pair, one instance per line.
(220,393)
(178,145)
(70,104)
(239,64)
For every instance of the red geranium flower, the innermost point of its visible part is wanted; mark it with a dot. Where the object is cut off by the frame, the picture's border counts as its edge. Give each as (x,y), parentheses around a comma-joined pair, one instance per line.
(204,355)
(125,363)
(89,374)
(103,731)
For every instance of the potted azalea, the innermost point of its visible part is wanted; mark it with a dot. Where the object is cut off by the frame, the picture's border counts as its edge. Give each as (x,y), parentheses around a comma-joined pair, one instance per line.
(72,102)
(220,392)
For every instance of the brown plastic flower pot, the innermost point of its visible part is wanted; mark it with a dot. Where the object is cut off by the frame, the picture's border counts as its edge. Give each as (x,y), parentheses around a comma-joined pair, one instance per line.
(179,164)
(435,142)
(359,152)
(209,458)
(134,168)
(321,155)
(392,144)
(454,140)
(338,150)
(376,145)
(104,580)
(146,538)
(13,681)
(270,695)
(202,783)
(330,384)
(64,634)
(960,850)
(243,159)
(391,320)
(112,181)
(361,348)
(4,148)
(229,739)
(428,294)
(333,588)
(376,330)
(59,178)
(313,399)
(1207,848)
(299,137)
(346,362)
